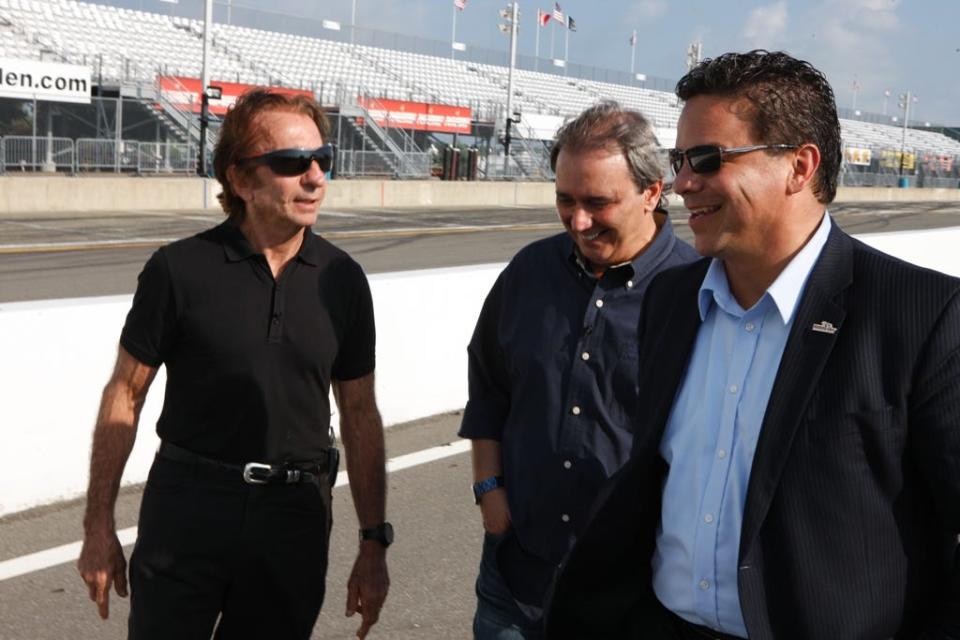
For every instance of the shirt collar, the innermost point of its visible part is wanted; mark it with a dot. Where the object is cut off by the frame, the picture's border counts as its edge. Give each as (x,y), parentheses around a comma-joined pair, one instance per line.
(237,248)
(658,249)
(785,290)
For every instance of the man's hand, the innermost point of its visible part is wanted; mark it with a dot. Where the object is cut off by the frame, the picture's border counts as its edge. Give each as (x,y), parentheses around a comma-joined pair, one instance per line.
(495,511)
(101,565)
(368,585)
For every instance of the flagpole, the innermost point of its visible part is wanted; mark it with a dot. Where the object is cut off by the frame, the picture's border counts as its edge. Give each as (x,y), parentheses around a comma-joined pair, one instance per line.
(536,57)
(566,48)
(633,51)
(453,34)
(553,31)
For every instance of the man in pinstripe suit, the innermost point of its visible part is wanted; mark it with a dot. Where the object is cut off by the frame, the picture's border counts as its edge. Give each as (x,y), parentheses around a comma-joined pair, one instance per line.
(797,471)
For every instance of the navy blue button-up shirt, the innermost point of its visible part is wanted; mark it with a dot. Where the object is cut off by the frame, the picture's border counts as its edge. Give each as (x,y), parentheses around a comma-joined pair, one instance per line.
(553,376)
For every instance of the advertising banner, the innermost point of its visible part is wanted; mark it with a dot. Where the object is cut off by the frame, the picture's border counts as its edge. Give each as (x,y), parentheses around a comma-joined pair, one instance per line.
(420,116)
(857,156)
(52,81)
(184,93)
(890,159)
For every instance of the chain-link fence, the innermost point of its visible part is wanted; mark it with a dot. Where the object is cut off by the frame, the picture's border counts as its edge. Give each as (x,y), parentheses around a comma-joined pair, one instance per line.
(357,164)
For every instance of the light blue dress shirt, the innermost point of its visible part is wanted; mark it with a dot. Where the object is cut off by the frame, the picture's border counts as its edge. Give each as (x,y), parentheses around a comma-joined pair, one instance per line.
(711,436)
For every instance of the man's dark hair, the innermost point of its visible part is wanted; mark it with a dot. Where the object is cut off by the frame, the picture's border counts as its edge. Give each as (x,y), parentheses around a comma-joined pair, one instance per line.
(240,130)
(792,103)
(607,125)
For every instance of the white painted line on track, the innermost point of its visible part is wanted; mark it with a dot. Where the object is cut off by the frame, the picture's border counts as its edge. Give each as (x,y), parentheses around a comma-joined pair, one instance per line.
(70,552)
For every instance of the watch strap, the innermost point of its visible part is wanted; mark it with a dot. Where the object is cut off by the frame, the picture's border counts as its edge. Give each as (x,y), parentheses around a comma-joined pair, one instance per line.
(485,486)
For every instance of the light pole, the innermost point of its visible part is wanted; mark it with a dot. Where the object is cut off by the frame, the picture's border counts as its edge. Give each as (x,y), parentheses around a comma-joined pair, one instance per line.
(886,96)
(905,99)
(204,81)
(511,16)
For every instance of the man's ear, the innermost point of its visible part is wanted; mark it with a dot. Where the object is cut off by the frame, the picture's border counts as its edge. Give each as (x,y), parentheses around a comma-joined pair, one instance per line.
(806,161)
(651,196)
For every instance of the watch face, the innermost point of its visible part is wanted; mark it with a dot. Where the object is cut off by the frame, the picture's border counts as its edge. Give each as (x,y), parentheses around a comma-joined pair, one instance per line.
(387,531)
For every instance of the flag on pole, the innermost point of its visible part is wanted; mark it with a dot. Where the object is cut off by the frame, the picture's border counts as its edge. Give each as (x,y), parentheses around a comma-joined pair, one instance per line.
(558,13)
(633,38)
(571,24)
(460,4)
(543,17)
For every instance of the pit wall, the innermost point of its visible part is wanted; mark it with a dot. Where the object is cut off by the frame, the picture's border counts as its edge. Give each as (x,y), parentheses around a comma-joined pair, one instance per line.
(58,354)
(45,194)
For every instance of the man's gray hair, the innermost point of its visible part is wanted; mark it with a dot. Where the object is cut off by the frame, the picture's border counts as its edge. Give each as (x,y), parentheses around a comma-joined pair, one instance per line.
(607,125)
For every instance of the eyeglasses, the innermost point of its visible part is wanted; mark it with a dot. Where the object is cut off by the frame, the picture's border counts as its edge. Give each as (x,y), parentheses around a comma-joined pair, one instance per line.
(293,162)
(707,158)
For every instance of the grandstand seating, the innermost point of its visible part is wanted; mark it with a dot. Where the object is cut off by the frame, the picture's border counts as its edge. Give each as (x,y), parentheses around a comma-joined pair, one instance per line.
(123,45)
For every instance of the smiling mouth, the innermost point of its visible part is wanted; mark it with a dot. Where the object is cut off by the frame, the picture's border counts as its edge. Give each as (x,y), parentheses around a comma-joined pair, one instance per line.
(590,237)
(703,211)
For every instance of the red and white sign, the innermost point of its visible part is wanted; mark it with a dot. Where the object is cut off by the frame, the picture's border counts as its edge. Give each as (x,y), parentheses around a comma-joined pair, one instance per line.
(421,116)
(184,93)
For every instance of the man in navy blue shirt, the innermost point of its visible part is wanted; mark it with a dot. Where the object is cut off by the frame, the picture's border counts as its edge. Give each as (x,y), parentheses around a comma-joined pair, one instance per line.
(553,361)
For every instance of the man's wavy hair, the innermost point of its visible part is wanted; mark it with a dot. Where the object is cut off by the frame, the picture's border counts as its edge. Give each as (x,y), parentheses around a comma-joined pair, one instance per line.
(607,125)
(792,103)
(240,130)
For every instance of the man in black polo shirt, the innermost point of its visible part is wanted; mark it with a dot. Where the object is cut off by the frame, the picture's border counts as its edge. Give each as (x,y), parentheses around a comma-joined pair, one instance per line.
(553,362)
(254,320)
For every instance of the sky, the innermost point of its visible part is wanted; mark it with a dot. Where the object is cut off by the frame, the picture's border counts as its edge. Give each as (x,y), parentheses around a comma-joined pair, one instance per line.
(871,45)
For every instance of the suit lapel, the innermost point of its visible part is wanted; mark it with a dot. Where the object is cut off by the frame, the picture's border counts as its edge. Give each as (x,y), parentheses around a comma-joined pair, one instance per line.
(668,343)
(804,357)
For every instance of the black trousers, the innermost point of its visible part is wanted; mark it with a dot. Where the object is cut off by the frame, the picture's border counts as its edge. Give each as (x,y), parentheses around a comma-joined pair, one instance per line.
(211,546)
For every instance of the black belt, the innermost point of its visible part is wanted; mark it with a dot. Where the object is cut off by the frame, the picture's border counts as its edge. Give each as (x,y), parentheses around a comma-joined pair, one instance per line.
(257,472)
(687,630)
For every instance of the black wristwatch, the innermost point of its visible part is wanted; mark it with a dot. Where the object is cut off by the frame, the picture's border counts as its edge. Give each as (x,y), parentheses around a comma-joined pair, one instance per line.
(382,533)
(486,485)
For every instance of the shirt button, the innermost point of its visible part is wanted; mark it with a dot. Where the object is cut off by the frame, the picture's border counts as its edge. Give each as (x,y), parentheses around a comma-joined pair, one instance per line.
(565,518)
(584,356)
(599,302)
(629,284)
(733,388)
(567,464)
(708,518)
(704,585)
(721,454)
(575,410)
(749,326)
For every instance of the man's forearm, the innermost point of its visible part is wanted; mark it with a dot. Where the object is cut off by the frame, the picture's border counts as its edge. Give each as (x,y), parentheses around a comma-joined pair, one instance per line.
(487,459)
(113,440)
(361,430)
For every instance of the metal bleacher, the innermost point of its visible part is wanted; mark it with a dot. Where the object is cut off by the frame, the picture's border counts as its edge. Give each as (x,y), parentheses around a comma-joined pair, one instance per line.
(124,45)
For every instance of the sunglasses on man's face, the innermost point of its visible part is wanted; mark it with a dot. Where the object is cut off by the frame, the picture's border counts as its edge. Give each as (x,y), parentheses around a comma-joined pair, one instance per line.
(707,158)
(293,162)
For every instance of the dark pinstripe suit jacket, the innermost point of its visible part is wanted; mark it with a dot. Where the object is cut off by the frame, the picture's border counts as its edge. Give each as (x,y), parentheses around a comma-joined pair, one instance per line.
(853,507)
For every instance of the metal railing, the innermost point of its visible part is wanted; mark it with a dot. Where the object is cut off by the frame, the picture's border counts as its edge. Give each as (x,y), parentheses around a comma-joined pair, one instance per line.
(29,153)
(375,163)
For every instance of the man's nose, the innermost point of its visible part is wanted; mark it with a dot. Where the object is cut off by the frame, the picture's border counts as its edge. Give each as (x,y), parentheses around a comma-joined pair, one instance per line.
(314,174)
(580,220)
(685,181)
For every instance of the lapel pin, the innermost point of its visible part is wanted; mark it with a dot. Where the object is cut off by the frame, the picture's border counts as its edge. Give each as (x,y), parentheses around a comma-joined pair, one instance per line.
(824,327)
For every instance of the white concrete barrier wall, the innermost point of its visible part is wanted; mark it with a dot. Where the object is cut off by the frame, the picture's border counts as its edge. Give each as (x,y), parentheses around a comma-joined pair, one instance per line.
(57,355)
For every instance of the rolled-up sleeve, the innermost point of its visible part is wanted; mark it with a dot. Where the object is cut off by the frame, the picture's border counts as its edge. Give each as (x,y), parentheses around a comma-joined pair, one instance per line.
(489,388)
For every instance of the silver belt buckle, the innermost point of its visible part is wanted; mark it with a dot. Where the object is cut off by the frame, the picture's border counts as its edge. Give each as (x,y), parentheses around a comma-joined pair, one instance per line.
(251,475)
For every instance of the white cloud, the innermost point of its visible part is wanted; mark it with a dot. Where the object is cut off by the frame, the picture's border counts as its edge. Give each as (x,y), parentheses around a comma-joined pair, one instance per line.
(766,24)
(647,10)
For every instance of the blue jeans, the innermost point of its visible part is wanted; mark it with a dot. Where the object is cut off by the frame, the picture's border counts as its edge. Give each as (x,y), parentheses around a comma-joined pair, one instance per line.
(498,616)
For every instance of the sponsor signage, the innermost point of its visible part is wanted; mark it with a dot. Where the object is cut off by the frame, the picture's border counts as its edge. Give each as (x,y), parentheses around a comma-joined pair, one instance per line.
(184,93)
(890,159)
(52,81)
(421,116)
(857,156)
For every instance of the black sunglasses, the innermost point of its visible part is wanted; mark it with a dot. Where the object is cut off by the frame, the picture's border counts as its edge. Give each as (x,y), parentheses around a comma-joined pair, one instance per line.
(707,158)
(293,162)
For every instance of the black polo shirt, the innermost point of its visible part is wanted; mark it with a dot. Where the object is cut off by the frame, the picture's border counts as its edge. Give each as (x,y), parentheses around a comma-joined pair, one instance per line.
(250,359)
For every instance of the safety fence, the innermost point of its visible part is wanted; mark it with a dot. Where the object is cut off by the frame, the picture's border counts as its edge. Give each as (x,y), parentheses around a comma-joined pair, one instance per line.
(49,155)
(357,164)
